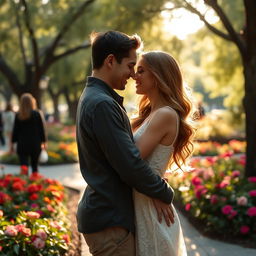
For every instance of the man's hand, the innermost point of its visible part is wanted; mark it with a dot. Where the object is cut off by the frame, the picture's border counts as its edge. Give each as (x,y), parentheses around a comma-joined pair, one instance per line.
(165,210)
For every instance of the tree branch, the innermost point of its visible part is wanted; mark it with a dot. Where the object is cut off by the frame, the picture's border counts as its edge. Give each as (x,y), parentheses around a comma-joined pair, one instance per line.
(66,27)
(9,75)
(235,37)
(64,54)
(22,48)
(72,50)
(218,32)
(32,36)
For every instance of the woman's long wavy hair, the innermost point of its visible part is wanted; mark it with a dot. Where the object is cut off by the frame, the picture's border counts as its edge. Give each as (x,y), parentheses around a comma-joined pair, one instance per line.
(27,104)
(168,79)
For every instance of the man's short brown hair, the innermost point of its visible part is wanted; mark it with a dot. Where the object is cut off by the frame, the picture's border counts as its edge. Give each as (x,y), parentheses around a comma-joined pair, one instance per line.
(112,42)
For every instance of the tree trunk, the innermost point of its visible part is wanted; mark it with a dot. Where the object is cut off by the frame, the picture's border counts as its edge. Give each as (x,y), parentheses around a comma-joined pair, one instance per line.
(250,112)
(72,104)
(72,109)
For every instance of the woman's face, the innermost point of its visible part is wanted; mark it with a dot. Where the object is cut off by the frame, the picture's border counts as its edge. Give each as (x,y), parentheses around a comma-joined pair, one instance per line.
(145,81)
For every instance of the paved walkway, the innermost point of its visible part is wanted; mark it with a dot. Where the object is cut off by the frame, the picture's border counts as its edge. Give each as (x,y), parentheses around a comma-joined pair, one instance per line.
(197,245)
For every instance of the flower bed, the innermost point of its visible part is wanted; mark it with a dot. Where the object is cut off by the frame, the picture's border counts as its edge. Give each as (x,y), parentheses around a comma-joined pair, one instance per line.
(33,217)
(216,193)
(211,148)
(62,148)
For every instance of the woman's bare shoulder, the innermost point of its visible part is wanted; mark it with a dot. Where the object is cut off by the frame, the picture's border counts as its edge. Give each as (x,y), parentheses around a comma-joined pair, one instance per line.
(165,116)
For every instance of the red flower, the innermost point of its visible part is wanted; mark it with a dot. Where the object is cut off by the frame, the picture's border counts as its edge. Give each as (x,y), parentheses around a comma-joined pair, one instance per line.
(244,230)
(18,186)
(4,198)
(24,170)
(188,207)
(242,160)
(32,188)
(33,196)
(66,238)
(35,176)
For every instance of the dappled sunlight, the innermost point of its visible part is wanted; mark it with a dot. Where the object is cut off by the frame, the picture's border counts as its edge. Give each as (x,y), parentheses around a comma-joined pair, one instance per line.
(181,22)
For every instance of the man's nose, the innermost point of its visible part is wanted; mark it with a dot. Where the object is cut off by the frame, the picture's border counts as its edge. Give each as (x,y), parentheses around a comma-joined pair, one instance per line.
(132,74)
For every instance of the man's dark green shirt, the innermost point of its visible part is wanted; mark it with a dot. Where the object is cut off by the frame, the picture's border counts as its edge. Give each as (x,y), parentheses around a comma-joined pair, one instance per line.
(110,162)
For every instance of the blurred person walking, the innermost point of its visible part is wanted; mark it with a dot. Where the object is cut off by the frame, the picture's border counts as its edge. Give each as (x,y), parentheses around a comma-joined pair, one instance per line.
(29,132)
(8,119)
(2,140)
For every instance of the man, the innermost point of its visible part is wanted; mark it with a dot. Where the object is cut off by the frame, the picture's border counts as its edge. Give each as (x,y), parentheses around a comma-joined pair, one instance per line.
(109,161)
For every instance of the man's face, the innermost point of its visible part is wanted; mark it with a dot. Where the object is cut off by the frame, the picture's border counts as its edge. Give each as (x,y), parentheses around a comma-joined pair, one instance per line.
(123,71)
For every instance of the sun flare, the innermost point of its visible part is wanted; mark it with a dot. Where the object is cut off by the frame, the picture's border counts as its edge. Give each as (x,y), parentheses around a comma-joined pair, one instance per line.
(181,23)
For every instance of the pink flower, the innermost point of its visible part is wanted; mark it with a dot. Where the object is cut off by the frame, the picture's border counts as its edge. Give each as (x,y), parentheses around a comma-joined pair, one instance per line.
(214,199)
(252,179)
(208,173)
(236,173)
(41,234)
(225,182)
(187,207)
(242,200)
(33,215)
(11,231)
(200,190)
(227,209)
(227,154)
(39,243)
(232,214)
(244,230)
(196,181)
(251,211)
(252,193)
(1,213)
(55,224)
(23,230)
(242,160)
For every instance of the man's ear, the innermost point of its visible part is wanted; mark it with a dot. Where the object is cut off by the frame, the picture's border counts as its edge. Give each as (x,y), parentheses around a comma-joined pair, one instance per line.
(110,60)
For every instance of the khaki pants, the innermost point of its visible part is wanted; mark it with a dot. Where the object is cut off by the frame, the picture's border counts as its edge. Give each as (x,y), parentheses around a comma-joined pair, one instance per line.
(114,241)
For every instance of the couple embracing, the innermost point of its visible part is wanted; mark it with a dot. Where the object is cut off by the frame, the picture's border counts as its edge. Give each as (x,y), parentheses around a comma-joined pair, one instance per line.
(126,208)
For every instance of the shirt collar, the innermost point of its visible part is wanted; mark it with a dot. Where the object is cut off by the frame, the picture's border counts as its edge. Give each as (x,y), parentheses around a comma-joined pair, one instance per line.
(93,81)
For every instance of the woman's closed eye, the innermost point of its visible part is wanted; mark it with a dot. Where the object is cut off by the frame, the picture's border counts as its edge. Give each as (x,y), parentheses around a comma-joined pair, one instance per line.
(140,71)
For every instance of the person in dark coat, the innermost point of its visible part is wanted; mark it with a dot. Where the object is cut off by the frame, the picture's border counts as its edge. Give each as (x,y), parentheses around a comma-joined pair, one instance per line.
(29,132)
(2,140)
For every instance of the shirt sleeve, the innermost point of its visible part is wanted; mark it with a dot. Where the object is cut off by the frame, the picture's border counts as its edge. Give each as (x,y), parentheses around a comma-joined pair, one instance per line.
(122,154)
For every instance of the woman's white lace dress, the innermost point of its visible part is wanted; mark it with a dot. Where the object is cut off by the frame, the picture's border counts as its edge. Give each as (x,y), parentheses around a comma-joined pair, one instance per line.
(154,238)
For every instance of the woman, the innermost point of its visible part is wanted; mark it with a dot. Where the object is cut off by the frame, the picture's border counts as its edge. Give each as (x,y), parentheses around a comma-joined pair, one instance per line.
(163,136)
(29,132)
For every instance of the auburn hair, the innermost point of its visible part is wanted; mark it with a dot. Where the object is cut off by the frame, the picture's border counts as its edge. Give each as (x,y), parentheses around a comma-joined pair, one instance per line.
(168,79)
(27,104)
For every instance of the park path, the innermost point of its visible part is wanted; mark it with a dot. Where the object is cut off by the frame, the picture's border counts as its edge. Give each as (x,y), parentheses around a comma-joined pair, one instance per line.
(197,245)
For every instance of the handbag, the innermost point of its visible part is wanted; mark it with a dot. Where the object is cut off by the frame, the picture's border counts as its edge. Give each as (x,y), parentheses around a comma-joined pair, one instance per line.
(43,157)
